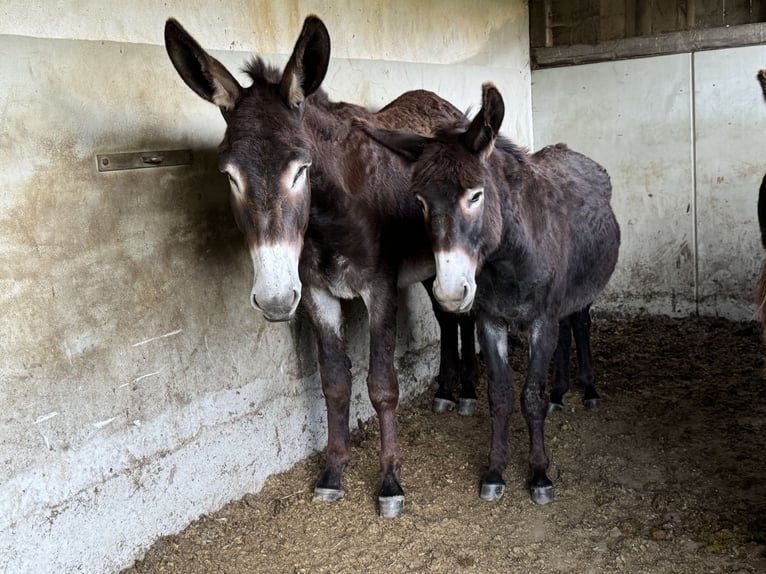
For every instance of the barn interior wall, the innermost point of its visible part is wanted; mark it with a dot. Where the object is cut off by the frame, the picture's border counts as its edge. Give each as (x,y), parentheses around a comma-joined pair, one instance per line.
(682,138)
(139,388)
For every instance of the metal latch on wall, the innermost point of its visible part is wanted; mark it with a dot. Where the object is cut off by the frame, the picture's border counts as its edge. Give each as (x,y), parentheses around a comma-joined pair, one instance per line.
(142,159)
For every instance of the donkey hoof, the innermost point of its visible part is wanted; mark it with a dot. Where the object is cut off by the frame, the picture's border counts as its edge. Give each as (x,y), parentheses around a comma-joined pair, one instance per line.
(541,494)
(442,405)
(592,404)
(555,407)
(491,492)
(391,506)
(327,494)
(466,407)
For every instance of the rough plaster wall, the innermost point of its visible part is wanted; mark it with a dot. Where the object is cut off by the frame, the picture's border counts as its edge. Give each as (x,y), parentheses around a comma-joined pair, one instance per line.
(686,204)
(139,388)
(731,161)
(439,32)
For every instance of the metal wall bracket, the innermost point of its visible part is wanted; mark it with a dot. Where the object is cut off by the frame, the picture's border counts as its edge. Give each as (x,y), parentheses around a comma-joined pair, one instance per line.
(141,159)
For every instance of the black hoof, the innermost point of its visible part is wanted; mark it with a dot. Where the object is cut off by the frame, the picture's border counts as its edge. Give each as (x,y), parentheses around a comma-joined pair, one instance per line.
(466,407)
(555,407)
(442,405)
(541,489)
(592,404)
(391,506)
(327,494)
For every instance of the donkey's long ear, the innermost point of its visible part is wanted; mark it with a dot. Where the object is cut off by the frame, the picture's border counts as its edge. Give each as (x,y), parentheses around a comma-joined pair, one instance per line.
(407,145)
(762,79)
(201,72)
(308,64)
(484,128)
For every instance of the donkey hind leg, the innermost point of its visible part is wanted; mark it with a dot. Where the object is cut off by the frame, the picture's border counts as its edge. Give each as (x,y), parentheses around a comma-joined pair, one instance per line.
(560,384)
(335,372)
(534,406)
(449,364)
(493,337)
(581,324)
(469,365)
(383,388)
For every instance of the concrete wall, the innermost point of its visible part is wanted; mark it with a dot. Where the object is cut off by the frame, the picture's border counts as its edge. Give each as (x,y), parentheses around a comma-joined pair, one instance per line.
(682,137)
(139,389)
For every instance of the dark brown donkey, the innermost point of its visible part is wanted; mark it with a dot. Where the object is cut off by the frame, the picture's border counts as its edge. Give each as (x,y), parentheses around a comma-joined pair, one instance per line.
(523,240)
(762,224)
(327,215)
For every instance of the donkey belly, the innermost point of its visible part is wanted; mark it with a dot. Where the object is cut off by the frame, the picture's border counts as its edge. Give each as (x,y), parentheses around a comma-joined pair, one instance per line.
(594,257)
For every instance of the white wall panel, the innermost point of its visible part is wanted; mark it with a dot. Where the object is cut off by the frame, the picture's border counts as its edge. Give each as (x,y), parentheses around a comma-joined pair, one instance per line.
(731,161)
(633,117)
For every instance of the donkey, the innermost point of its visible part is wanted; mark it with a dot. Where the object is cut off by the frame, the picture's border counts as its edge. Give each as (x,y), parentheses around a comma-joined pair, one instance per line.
(327,215)
(762,225)
(522,240)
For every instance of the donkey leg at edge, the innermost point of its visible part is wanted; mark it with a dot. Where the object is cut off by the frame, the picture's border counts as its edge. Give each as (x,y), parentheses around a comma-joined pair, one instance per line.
(449,359)
(581,325)
(469,365)
(383,388)
(493,337)
(560,384)
(335,373)
(534,405)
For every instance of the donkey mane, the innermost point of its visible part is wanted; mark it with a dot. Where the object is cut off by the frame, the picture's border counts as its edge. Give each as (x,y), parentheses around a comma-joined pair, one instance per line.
(263,74)
(451,131)
(519,153)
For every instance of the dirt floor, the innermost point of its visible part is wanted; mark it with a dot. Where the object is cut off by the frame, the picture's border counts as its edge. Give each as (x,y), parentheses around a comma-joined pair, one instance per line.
(668,477)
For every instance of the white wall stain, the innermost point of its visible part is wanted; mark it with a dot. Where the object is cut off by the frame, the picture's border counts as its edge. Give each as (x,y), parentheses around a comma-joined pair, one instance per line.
(171,334)
(43,418)
(102,424)
(141,378)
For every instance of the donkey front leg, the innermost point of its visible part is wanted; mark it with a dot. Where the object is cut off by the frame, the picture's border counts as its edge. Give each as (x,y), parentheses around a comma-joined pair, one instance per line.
(534,405)
(335,372)
(469,365)
(493,336)
(449,359)
(383,388)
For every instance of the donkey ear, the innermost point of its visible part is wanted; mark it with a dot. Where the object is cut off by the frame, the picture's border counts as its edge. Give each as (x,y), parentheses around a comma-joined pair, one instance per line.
(201,72)
(308,63)
(405,144)
(484,128)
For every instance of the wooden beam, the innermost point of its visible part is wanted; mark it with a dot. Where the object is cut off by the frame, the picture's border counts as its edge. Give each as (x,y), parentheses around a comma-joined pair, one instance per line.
(642,46)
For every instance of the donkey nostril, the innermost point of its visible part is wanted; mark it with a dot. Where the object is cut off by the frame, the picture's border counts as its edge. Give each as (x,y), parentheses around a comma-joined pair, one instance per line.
(296,297)
(254,301)
(465,291)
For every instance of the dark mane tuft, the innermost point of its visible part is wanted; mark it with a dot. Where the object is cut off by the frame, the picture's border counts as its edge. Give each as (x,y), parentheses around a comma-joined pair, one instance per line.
(261,72)
(519,153)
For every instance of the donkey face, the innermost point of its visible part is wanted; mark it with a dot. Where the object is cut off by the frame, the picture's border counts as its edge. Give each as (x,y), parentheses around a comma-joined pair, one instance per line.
(265,153)
(449,179)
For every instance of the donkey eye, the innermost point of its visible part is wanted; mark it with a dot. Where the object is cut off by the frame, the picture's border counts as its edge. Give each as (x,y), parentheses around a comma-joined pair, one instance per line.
(300,173)
(233,183)
(475,197)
